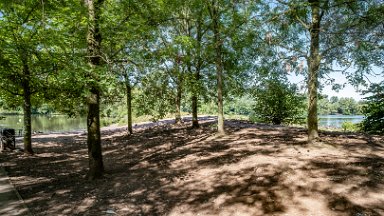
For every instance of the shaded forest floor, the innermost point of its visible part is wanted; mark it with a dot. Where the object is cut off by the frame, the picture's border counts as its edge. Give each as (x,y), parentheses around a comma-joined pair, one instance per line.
(173,170)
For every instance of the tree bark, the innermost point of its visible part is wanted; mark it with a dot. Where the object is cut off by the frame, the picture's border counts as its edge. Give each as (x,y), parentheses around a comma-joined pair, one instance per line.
(96,167)
(220,107)
(178,103)
(215,15)
(314,65)
(27,110)
(195,100)
(195,120)
(129,105)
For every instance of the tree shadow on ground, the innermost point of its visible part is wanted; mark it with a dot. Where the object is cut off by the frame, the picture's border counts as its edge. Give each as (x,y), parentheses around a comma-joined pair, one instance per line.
(173,170)
(352,180)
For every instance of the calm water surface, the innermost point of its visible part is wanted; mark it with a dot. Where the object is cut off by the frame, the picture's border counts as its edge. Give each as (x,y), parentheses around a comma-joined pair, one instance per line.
(61,123)
(46,124)
(336,121)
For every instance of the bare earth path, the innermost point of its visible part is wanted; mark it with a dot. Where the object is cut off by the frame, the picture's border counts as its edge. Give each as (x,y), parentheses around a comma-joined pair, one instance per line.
(174,170)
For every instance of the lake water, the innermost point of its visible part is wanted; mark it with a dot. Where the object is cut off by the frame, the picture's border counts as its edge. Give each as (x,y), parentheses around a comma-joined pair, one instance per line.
(46,124)
(61,123)
(336,121)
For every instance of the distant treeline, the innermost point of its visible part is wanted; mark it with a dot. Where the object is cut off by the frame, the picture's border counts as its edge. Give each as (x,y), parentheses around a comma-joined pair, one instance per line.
(236,106)
(342,106)
(44,109)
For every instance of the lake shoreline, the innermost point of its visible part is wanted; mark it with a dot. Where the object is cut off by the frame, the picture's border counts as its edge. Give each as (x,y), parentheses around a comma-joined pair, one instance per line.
(56,124)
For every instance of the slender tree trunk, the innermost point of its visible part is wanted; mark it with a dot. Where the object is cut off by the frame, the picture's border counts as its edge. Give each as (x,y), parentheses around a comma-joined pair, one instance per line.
(195,101)
(314,65)
(195,120)
(129,105)
(96,167)
(220,107)
(178,103)
(219,66)
(27,111)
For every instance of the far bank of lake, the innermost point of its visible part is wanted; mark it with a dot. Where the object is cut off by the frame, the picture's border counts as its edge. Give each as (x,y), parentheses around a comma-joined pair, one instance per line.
(45,123)
(335,121)
(62,123)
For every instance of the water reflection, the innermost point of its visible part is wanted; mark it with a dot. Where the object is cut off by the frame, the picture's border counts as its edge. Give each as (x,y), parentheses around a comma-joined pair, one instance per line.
(46,124)
(335,121)
(62,123)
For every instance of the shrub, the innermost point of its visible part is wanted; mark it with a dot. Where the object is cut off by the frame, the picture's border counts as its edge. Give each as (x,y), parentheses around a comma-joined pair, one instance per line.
(374,109)
(277,101)
(349,126)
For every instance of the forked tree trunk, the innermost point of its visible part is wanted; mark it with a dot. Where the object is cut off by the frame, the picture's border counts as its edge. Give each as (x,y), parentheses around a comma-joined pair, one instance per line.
(27,111)
(314,65)
(129,105)
(96,167)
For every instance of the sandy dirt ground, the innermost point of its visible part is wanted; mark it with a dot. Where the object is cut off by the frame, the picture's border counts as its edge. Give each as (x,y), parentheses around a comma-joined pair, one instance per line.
(168,169)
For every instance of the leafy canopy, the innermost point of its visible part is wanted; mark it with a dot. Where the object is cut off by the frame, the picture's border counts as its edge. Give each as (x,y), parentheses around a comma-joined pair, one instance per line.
(374,110)
(278,101)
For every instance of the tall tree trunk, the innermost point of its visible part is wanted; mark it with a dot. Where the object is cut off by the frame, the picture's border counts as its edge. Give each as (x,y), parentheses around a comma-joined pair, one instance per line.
(199,37)
(314,65)
(178,103)
(220,107)
(129,105)
(96,167)
(215,15)
(27,111)
(195,120)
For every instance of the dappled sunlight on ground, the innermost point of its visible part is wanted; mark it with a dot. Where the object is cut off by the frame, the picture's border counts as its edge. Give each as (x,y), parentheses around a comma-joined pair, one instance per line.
(255,169)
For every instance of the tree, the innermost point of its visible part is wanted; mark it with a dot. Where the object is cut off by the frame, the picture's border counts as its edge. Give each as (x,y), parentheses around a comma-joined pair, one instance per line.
(348,106)
(215,15)
(374,109)
(198,61)
(189,39)
(155,96)
(306,30)
(277,101)
(229,31)
(29,54)
(128,87)
(173,62)
(129,31)
(324,105)
(313,60)
(94,39)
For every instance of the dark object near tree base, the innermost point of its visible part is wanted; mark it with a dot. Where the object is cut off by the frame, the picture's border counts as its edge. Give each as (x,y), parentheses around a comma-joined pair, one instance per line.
(7,138)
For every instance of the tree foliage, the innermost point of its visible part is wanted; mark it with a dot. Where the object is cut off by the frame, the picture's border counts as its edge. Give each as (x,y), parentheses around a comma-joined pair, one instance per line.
(30,55)
(339,106)
(278,101)
(307,31)
(165,53)
(374,109)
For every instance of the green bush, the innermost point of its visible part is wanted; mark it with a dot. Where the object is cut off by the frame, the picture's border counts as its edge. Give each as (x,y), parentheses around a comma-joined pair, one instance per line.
(278,101)
(374,109)
(349,126)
